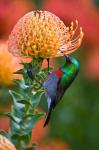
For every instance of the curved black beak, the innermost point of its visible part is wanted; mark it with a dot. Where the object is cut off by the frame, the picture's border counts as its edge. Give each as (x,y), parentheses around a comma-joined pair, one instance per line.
(67,58)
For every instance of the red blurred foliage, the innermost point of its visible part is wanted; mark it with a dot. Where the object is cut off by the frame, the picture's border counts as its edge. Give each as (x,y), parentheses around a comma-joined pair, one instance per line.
(38,131)
(83,10)
(92,65)
(4,121)
(54,144)
(4,124)
(10,12)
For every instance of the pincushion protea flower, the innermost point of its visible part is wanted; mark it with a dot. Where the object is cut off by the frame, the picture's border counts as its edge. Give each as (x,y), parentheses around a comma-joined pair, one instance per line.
(5,144)
(42,34)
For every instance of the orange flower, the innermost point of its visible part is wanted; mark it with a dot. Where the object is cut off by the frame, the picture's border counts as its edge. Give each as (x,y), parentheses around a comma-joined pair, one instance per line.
(5,144)
(42,34)
(8,65)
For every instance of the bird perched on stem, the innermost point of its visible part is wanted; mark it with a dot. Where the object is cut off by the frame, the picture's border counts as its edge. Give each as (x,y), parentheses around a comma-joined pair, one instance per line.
(57,83)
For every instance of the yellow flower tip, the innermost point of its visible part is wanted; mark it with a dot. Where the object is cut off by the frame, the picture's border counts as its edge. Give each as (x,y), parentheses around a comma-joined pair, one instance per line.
(5,144)
(43,34)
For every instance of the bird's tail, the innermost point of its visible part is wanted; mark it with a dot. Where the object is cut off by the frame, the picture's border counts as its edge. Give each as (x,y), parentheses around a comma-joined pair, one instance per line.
(48,114)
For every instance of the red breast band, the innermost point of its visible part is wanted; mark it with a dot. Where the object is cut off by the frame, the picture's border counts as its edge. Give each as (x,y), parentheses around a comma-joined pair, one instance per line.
(58,72)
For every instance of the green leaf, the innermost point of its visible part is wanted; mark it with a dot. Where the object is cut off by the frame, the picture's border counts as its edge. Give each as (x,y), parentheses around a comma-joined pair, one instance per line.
(30,148)
(27,102)
(38,116)
(16,96)
(27,80)
(15,127)
(24,64)
(28,116)
(18,111)
(22,84)
(16,81)
(12,117)
(45,70)
(4,133)
(25,139)
(41,76)
(36,98)
(30,121)
(4,114)
(22,139)
(21,71)
(25,124)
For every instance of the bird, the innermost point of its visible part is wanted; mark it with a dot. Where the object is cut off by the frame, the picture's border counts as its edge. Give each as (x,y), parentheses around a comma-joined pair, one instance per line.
(58,82)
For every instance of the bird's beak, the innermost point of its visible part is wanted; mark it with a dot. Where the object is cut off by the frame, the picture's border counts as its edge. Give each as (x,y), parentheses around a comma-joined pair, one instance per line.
(67,58)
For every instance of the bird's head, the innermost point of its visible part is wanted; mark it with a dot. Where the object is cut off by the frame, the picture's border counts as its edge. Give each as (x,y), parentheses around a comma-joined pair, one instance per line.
(71,64)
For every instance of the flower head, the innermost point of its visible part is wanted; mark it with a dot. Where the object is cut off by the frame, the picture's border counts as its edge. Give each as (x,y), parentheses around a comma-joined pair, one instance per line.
(42,34)
(5,144)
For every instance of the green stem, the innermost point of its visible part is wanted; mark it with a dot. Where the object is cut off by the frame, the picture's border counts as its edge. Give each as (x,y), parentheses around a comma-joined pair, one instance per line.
(24,105)
(26,98)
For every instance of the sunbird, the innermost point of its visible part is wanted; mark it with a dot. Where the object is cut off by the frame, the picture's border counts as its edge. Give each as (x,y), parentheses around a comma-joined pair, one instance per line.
(57,83)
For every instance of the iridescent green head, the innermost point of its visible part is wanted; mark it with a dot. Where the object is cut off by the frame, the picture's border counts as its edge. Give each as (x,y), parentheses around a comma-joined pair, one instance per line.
(71,66)
(75,63)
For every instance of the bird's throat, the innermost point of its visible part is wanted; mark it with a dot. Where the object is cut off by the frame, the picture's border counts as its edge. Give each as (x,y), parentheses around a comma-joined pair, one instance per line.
(59,73)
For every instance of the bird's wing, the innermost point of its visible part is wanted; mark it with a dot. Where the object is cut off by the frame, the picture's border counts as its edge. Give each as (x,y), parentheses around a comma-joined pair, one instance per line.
(60,92)
(48,115)
(48,101)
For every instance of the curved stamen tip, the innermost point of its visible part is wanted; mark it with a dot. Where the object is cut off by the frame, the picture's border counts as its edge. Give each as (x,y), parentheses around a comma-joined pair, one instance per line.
(67,28)
(80,28)
(81,32)
(72,23)
(72,44)
(76,21)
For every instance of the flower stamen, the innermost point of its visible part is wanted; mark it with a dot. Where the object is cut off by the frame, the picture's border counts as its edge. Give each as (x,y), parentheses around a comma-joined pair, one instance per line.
(72,44)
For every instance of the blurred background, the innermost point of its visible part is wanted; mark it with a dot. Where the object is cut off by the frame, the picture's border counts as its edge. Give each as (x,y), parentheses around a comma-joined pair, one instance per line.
(74,123)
